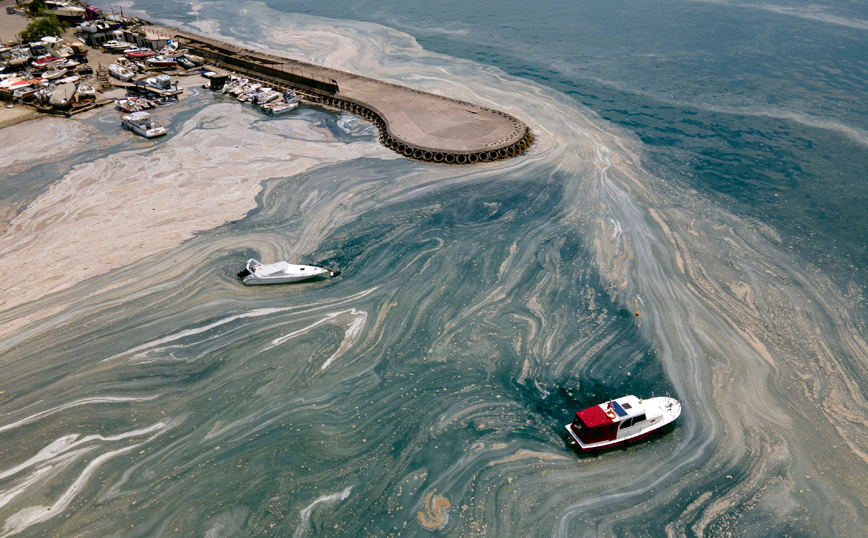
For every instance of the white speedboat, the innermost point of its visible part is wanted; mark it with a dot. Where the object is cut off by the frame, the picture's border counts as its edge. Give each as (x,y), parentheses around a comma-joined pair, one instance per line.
(279,108)
(65,11)
(161,61)
(54,73)
(280,273)
(621,421)
(122,73)
(117,46)
(142,124)
(86,91)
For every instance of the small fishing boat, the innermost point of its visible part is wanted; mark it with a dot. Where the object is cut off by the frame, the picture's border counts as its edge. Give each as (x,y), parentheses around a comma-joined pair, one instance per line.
(62,96)
(65,11)
(280,273)
(621,421)
(69,79)
(13,83)
(139,53)
(87,91)
(122,73)
(134,104)
(185,63)
(117,46)
(279,108)
(197,60)
(46,60)
(270,96)
(54,73)
(142,124)
(161,61)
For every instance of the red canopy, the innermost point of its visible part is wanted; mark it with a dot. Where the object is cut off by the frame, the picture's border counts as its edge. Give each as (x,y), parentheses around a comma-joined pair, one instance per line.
(593,417)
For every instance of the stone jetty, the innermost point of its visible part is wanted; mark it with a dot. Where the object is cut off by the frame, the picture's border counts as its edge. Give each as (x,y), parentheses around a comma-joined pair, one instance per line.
(416,124)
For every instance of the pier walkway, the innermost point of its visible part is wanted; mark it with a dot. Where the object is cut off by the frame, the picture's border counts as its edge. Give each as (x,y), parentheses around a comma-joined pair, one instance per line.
(419,125)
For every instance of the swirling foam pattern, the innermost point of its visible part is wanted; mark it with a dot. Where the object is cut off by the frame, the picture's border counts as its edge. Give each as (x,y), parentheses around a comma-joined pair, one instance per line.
(425,390)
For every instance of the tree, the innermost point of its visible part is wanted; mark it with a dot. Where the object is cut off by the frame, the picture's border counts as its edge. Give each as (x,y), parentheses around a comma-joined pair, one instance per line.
(37,7)
(43,26)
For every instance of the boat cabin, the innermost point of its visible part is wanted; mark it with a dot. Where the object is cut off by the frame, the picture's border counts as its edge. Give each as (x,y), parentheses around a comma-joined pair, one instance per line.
(610,421)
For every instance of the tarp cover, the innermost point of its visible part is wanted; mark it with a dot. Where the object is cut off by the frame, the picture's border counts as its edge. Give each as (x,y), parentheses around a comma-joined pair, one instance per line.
(594,416)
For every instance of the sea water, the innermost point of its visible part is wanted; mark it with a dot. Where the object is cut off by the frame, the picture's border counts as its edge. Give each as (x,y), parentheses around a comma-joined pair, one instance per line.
(700,164)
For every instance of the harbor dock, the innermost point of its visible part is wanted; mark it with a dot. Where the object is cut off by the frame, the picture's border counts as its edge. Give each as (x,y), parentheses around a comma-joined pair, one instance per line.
(416,124)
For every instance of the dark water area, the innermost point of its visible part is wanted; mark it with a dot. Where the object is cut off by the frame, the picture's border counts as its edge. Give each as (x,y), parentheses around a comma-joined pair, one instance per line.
(759,106)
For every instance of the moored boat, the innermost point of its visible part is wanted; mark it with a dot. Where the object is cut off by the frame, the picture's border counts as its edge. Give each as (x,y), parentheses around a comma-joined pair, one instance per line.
(54,73)
(185,63)
(621,421)
(280,273)
(134,104)
(65,11)
(117,46)
(47,60)
(139,53)
(279,108)
(161,61)
(142,124)
(124,74)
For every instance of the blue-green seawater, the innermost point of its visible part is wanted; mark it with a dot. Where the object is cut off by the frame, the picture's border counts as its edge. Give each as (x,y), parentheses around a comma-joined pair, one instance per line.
(701,163)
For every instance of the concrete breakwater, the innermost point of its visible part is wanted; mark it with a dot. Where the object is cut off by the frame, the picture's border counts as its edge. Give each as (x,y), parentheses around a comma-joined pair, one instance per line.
(416,124)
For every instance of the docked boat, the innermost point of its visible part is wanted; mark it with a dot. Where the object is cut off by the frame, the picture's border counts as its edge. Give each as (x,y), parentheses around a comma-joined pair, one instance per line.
(142,124)
(65,11)
(62,96)
(134,104)
(47,60)
(117,46)
(277,109)
(161,61)
(621,421)
(13,83)
(86,91)
(197,60)
(94,27)
(122,73)
(54,73)
(139,53)
(280,273)
(185,63)
(69,79)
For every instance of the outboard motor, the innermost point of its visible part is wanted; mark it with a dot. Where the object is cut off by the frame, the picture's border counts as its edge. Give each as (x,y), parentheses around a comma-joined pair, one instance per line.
(243,274)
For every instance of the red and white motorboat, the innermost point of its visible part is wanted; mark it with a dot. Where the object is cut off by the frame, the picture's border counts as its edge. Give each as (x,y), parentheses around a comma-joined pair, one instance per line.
(618,422)
(162,61)
(139,53)
(48,60)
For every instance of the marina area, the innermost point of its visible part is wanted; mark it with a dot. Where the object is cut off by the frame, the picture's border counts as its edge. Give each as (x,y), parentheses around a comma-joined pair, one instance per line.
(129,51)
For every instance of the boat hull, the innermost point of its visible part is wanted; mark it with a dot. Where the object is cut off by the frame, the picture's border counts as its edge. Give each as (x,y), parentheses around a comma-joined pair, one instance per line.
(253,280)
(257,274)
(661,412)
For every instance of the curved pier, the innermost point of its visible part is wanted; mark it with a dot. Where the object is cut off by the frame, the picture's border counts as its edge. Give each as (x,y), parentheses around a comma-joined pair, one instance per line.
(416,124)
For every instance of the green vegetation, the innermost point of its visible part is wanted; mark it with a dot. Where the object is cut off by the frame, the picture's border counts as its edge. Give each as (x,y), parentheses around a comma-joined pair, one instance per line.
(43,26)
(36,7)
